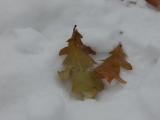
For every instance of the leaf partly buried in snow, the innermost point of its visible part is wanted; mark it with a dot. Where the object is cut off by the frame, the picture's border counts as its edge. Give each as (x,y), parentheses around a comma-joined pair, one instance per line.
(110,68)
(78,67)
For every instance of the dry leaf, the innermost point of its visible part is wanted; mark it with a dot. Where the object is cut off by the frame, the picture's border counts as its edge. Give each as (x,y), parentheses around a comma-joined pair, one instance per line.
(110,68)
(155,3)
(78,67)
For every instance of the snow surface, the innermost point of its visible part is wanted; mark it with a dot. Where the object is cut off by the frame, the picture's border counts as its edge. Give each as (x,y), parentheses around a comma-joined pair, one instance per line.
(33,31)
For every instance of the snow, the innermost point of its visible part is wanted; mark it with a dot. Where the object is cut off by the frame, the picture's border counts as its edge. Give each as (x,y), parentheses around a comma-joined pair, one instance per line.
(33,31)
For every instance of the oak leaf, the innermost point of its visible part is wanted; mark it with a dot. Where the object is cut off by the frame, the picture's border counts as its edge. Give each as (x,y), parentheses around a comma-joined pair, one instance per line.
(110,68)
(78,66)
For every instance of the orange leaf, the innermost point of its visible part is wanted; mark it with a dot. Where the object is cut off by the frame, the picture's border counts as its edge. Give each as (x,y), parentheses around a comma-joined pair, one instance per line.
(110,68)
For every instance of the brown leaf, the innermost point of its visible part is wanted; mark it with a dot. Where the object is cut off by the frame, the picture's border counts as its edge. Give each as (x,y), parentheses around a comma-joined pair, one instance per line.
(78,68)
(155,3)
(110,68)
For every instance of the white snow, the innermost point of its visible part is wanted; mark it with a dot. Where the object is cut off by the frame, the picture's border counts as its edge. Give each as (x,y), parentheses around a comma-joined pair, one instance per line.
(33,31)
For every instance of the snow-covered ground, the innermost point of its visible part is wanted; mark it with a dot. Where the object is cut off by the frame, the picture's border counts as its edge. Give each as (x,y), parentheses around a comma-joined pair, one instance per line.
(33,31)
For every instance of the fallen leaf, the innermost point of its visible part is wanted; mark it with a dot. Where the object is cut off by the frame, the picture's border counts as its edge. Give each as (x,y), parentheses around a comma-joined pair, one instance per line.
(110,68)
(78,66)
(155,3)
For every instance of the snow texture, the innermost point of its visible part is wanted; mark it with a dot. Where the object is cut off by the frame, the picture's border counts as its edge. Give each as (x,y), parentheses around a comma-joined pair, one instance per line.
(33,31)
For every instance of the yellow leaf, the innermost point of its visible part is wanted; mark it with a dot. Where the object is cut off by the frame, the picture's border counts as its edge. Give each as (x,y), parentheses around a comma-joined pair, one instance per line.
(78,66)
